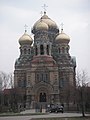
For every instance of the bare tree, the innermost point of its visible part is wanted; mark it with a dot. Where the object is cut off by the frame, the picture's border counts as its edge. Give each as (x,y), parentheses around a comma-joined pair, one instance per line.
(82,80)
(4,79)
(11,80)
(6,82)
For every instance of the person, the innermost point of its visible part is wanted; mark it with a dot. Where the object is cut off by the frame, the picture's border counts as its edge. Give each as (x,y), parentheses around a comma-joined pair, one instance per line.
(61,108)
(47,108)
(41,108)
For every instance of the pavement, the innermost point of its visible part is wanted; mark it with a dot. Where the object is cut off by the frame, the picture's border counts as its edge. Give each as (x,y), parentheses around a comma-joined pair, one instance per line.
(32,111)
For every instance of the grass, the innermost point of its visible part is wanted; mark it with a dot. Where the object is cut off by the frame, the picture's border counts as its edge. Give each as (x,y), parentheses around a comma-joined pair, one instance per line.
(70,118)
(19,114)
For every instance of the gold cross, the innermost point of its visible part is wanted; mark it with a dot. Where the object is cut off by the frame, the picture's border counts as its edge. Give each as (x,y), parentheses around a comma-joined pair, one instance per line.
(25,26)
(44,7)
(62,26)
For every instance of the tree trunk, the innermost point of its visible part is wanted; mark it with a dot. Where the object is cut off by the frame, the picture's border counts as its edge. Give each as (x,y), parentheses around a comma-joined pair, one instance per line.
(82,102)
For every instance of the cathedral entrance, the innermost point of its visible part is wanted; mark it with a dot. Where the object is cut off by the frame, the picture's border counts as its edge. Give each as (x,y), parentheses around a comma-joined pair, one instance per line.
(42,97)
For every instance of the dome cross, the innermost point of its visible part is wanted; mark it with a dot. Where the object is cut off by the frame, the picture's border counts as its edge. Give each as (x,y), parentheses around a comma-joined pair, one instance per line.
(62,27)
(25,26)
(44,7)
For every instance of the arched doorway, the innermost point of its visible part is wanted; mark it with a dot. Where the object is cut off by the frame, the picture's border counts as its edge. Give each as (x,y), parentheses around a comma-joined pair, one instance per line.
(42,97)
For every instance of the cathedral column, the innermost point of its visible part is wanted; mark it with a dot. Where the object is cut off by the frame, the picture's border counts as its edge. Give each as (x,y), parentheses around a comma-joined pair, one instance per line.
(38,47)
(50,49)
(45,49)
(66,50)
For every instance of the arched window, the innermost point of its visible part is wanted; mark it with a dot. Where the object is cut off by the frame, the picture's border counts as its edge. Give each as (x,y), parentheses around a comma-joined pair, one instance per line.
(28,51)
(25,51)
(42,97)
(63,50)
(62,84)
(21,51)
(59,50)
(45,77)
(19,83)
(36,50)
(38,79)
(41,50)
(47,49)
(67,49)
(42,77)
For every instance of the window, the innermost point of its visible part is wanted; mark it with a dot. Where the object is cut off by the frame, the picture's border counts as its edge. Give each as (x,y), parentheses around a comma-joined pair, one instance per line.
(46,77)
(25,51)
(67,49)
(36,50)
(59,50)
(37,77)
(28,51)
(19,83)
(41,77)
(21,51)
(42,97)
(62,83)
(41,50)
(63,50)
(47,49)
(22,83)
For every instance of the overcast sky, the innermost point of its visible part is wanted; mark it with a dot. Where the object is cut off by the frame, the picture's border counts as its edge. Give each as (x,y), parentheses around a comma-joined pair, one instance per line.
(14,14)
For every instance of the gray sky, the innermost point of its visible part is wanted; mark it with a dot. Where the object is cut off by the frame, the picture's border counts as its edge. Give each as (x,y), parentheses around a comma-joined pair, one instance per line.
(14,14)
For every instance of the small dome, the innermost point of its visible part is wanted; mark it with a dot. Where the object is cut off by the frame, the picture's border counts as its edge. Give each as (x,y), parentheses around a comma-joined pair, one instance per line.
(62,37)
(25,39)
(41,26)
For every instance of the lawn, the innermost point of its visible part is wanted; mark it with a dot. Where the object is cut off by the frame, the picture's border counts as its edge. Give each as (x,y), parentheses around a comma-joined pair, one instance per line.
(73,118)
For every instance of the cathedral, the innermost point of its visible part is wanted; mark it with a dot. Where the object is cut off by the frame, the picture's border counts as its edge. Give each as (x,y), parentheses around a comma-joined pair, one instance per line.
(45,72)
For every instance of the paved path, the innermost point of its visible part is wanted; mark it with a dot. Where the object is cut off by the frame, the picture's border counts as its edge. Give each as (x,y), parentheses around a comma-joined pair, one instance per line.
(41,116)
(32,111)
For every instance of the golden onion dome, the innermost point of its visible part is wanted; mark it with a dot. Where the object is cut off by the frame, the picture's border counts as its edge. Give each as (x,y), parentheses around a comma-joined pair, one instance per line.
(41,26)
(25,39)
(47,20)
(62,37)
(50,23)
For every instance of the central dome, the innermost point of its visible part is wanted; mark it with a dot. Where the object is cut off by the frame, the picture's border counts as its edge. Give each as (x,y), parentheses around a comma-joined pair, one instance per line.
(41,26)
(45,19)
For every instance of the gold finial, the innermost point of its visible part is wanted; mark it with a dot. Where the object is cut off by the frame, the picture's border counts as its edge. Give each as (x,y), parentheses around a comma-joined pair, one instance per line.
(62,27)
(44,7)
(25,26)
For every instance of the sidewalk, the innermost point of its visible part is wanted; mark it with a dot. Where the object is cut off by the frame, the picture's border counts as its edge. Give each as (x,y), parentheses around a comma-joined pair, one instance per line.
(32,111)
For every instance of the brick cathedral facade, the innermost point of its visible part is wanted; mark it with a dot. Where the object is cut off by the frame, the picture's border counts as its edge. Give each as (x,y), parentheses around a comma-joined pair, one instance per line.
(45,72)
